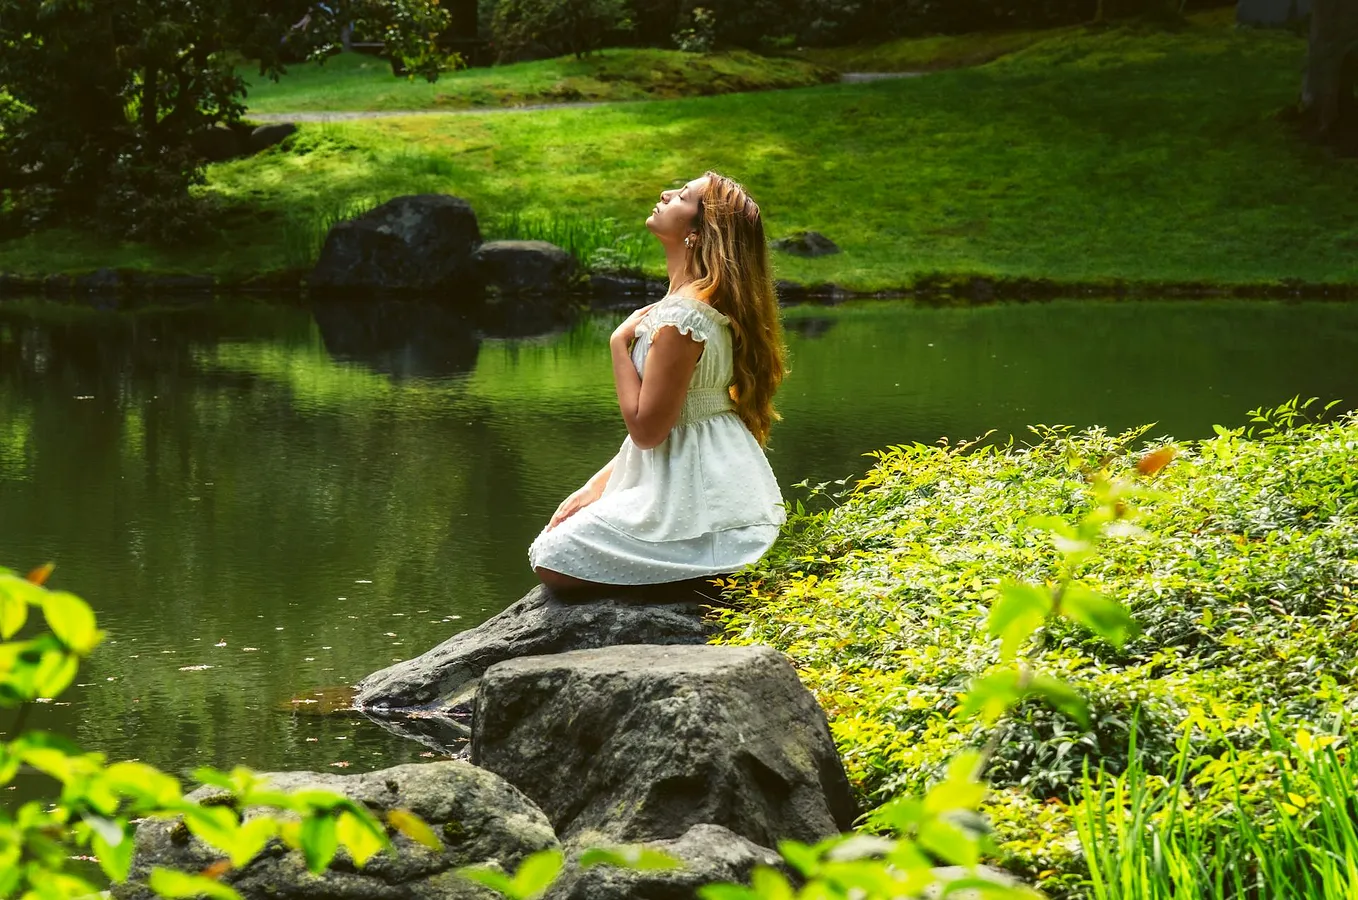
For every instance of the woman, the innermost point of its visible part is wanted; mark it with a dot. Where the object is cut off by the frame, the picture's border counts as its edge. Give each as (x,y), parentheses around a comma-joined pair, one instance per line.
(690,493)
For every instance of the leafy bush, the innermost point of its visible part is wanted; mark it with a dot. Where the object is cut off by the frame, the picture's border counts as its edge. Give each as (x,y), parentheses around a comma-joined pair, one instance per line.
(1241,574)
(701,33)
(537,29)
(98,805)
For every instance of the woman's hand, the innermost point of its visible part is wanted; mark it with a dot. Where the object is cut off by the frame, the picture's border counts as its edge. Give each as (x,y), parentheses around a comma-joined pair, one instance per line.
(575,502)
(625,333)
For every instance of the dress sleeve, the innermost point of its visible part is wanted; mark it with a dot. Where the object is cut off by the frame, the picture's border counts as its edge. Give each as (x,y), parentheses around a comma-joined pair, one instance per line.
(688,321)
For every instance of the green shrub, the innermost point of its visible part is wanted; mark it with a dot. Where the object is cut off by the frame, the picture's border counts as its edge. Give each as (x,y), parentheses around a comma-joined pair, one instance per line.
(538,29)
(1241,573)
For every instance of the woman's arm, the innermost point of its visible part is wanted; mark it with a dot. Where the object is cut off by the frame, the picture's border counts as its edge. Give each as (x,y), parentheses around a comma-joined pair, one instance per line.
(651,407)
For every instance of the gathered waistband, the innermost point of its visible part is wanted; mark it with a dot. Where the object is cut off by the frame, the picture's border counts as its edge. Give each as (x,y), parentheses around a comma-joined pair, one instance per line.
(704,403)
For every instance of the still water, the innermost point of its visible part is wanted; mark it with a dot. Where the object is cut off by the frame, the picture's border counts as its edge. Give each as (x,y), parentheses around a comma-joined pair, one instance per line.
(262,500)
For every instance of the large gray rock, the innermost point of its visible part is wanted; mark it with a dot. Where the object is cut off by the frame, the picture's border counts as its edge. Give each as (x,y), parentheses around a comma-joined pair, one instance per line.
(539,623)
(709,853)
(640,743)
(477,816)
(525,267)
(266,136)
(421,242)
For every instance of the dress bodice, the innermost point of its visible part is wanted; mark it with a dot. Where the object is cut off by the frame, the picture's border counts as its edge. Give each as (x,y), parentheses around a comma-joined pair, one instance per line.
(709,390)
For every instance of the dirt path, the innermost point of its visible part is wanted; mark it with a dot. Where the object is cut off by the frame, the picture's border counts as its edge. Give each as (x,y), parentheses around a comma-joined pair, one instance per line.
(337,116)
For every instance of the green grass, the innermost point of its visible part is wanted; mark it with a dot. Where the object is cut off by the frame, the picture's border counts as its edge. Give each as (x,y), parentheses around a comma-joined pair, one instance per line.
(1102,154)
(355,81)
(926,54)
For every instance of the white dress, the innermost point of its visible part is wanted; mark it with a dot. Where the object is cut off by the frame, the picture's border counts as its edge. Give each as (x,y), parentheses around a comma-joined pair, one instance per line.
(702,502)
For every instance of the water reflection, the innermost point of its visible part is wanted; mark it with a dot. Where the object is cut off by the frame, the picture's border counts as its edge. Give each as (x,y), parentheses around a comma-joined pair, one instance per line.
(263,501)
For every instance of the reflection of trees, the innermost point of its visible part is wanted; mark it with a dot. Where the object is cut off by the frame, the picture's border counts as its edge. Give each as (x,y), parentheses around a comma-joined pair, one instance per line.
(231,476)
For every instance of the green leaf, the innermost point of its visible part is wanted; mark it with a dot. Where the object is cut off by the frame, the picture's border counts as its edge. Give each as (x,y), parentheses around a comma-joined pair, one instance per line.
(213,825)
(1102,615)
(413,827)
(991,696)
(770,884)
(803,858)
(960,790)
(250,838)
(1020,610)
(1062,697)
(636,857)
(71,620)
(171,884)
(320,840)
(113,847)
(143,782)
(492,878)
(362,837)
(54,673)
(13,606)
(949,843)
(537,872)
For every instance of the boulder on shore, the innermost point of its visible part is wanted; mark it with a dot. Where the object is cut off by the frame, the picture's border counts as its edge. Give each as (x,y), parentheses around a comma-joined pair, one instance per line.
(806,243)
(539,623)
(709,853)
(420,242)
(477,816)
(641,743)
(524,267)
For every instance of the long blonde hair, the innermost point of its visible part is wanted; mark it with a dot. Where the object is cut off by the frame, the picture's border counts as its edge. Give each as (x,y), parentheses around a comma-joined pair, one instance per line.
(730,270)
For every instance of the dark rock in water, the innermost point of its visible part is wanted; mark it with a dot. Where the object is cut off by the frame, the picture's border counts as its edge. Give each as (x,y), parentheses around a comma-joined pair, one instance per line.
(477,815)
(638,743)
(524,267)
(806,243)
(709,853)
(608,291)
(398,338)
(442,733)
(420,242)
(537,624)
(102,281)
(266,136)
(179,283)
(1271,13)
(810,326)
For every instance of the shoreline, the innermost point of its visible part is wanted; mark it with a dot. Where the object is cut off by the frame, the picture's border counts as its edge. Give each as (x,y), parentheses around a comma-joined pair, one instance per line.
(608,290)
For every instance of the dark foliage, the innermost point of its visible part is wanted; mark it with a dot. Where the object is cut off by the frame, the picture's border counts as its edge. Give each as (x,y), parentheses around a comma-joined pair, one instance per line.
(105,105)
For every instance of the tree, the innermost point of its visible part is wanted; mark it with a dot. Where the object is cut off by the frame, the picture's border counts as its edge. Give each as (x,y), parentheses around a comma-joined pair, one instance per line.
(1327,106)
(104,103)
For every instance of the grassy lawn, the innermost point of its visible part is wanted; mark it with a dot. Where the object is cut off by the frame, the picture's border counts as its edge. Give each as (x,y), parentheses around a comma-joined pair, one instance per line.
(354,81)
(1098,154)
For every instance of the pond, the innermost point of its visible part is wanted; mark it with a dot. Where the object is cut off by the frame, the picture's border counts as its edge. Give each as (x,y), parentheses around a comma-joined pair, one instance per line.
(265,502)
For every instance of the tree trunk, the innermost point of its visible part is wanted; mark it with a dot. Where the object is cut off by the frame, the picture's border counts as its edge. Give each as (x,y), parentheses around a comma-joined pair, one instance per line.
(1327,101)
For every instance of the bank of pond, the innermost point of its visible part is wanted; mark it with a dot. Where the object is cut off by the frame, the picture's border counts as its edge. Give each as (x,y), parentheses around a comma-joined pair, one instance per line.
(264,502)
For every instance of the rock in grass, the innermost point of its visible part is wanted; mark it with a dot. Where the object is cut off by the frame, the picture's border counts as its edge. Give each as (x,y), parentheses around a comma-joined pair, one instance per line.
(266,136)
(476,815)
(641,743)
(709,853)
(538,623)
(806,243)
(420,242)
(525,267)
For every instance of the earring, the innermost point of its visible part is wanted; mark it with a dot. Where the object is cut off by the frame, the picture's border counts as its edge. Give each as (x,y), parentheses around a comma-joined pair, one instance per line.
(688,241)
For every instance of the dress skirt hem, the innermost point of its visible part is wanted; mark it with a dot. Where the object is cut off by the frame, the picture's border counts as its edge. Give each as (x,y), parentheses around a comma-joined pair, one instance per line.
(589,548)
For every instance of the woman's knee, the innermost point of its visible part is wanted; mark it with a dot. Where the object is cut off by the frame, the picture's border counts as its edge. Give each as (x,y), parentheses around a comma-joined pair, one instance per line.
(559,581)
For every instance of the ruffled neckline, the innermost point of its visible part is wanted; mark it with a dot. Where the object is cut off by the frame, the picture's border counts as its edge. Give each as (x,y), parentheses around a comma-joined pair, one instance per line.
(706,309)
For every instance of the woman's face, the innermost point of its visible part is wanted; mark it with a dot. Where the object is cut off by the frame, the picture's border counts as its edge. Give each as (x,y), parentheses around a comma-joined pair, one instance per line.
(672,218)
